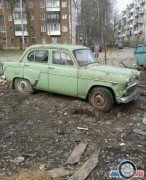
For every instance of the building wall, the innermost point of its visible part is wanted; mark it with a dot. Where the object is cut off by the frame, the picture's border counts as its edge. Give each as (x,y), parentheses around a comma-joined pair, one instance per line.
(34,28)
(131,24)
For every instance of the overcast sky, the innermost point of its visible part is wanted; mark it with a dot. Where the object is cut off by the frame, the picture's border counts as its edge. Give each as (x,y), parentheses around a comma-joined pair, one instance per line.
(123,3)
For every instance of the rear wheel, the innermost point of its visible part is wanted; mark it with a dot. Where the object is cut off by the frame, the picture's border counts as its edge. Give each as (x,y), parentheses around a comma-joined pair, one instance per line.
(101,99)
(23,85)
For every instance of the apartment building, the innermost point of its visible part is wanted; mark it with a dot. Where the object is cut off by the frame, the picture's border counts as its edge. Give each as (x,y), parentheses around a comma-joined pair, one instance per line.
(131,24)
(27,22)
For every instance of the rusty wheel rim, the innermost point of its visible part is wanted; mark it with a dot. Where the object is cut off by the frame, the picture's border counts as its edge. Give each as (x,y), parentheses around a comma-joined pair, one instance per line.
(99,100)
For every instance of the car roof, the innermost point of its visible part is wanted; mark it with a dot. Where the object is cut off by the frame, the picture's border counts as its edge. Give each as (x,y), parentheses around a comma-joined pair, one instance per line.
(58,46)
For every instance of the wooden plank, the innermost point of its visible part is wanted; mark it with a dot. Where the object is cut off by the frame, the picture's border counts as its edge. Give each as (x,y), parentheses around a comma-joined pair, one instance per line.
(76,154)
(59,172)
(83,172)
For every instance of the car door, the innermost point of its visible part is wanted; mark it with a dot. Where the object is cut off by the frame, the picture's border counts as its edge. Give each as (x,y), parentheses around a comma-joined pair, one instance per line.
(36,68)
(62,73)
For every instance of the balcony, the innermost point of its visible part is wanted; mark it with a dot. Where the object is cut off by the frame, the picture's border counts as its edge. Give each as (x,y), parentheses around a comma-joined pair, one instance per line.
(54,6)
(136,14)
(19,9)
(128,33)
(132,10)
(142,2)
(140,21)
(136,22)
(135,32)
(141,11)
(124,16)
(21,33)
(131,26)
(137,6)
(54,33)
(19,21)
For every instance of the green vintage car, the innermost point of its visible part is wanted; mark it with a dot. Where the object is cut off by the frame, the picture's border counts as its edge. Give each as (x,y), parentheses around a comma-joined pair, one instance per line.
(72,70)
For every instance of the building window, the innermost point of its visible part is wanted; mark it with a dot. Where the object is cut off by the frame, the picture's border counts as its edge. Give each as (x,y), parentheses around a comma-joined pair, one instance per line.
(10,18)
(53,3)
(11,28)
(2,29)
(43,28)
(42,4)
(4,40)
(32,28)
(33,40)
(12,40)
(8,5)
(43,17)
(64,28)
(54,27)
(1,18)
(31,16)
(30,4)
(1,4)
(64,16)
(54,39)
(64,4)
(66,40)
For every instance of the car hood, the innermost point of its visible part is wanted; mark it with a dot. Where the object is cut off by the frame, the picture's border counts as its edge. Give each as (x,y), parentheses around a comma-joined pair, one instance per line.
(113,70)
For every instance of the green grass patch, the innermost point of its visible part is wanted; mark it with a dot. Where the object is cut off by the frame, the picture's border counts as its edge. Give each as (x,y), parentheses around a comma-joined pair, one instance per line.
(10,52)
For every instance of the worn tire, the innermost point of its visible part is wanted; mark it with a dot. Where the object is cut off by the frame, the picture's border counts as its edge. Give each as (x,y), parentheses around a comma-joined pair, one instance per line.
(101,99)
(23,86)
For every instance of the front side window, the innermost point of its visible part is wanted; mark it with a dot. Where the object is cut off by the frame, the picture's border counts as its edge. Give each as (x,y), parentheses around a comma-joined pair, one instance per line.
(84,57)
(40,56)
(61,58)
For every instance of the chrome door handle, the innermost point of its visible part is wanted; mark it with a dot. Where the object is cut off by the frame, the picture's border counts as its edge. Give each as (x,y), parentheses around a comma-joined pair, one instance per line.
(26,65)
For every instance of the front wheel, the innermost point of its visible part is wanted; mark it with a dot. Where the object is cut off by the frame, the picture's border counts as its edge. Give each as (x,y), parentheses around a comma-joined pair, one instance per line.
(101,99)
(23,85)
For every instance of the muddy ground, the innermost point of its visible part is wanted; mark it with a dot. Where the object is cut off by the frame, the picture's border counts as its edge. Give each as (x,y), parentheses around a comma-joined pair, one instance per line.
(39,131)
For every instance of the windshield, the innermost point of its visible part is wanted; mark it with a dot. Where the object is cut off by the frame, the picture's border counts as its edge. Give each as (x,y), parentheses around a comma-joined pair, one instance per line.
(84,57)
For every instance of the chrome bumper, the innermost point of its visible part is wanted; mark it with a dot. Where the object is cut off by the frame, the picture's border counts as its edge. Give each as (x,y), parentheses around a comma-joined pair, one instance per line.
(134,96)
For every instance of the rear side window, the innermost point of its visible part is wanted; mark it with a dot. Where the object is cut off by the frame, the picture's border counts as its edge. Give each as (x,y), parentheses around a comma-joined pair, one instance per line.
(40,56)
(139,49)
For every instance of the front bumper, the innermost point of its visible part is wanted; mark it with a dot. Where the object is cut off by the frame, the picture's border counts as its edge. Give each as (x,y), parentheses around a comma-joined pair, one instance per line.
(3,77)
(134,96)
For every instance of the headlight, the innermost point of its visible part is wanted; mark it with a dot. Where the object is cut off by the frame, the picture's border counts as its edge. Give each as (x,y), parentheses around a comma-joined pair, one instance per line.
(128,82)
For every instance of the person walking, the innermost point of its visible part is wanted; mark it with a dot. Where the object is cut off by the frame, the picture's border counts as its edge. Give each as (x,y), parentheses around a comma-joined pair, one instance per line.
(97,48)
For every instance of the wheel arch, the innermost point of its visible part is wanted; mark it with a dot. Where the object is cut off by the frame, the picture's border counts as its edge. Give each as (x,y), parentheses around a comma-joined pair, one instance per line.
(99,86)
(13,81)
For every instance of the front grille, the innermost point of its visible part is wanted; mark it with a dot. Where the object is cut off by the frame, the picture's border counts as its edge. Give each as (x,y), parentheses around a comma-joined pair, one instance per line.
(129,90)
